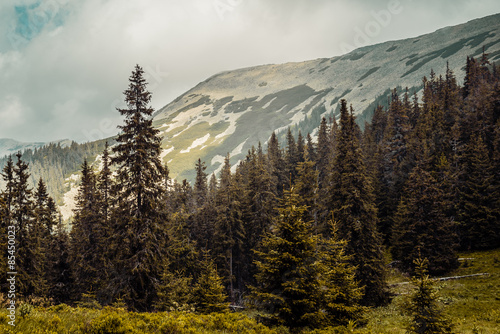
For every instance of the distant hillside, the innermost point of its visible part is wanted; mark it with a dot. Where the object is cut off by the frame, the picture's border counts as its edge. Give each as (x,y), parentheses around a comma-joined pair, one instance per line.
(11,147)
(231,111)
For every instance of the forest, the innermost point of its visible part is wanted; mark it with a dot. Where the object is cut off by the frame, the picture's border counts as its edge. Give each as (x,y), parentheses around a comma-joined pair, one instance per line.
(303,233)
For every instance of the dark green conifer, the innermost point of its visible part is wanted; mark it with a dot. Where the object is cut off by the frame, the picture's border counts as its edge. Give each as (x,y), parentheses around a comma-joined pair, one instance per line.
(351,202)
(422,226)
(423,307)
(138,234)
(208,293)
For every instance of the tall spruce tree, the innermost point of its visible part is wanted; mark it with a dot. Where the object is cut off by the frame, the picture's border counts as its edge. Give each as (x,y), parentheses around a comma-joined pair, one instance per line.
(138,235)
(422,227)
(87,245)
(478,212)
(352,204)
(229,233)
(30,270)
(303,280)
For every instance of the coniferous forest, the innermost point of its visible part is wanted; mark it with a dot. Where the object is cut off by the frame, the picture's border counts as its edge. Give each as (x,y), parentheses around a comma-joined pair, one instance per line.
(302,233)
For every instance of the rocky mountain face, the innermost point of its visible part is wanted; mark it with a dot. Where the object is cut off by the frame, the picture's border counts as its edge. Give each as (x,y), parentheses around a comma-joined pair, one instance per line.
(232,111)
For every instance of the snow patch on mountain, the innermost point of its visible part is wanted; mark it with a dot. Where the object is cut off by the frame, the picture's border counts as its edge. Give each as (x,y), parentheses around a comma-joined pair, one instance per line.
(196,143)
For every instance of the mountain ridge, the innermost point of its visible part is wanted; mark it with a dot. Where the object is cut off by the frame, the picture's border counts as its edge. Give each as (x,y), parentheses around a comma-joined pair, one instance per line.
(240,107)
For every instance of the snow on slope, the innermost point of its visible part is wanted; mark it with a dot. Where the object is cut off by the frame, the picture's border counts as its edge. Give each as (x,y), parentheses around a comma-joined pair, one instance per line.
(239,108)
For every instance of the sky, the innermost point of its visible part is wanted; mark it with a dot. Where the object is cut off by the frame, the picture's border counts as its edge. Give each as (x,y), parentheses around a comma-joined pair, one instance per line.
(64,64)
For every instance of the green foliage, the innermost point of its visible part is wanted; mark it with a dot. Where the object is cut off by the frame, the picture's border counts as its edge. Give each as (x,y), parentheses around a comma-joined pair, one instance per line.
(422,227)
(423,305)
(303,280)
(208,293)
(351,201)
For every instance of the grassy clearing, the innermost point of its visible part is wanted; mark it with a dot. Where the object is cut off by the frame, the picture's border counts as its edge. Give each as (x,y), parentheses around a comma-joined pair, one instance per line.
(472,304)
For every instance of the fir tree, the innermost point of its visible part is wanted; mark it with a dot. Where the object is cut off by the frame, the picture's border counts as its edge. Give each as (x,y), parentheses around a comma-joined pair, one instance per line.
(302,279)
(426,316)
(200,184)
(478,212)
(276,167)
(30,270)
(422,227)
(287,273)
(138,235)
(208,292)
(229,233)
(351,202)
(87,245)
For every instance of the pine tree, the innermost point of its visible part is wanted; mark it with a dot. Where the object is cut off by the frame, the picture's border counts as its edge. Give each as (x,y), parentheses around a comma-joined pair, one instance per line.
(291,156)
(229,233)
(208,292)
(6,200)
(302,279)
(351,202)
(427,317)
(104,185)
(478,213)
(30,270)
(86,235)
(44,210)
(287,272)
(200,184)
(306,185)
(394,165)
(323,154)
(422,227)
(276,166)
(342,293)
(60,277)
(138,234)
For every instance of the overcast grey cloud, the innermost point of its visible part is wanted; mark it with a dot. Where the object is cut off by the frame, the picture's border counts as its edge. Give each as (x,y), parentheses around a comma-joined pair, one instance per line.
(65,63)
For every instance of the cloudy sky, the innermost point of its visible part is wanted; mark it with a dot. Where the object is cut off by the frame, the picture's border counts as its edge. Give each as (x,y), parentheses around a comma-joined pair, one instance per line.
(65,63)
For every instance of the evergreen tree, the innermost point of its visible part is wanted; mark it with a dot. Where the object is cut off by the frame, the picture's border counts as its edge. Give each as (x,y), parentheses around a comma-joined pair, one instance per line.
(229,233)
(200,184)
(310,150)
(306,186)
(351,202)
(426,316)
(394,166)
(301,148)
(208,292)
(478,212)
(104,185)
(323,154)
(87,245)
(287,273)
(276,165)
(60,277)
(303,280)
(138,235)
(291,157)
(422,227)
(6,200)
(28,247)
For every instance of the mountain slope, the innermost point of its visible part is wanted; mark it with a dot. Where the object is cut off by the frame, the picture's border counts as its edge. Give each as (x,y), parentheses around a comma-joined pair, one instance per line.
(233,110)
(10,146)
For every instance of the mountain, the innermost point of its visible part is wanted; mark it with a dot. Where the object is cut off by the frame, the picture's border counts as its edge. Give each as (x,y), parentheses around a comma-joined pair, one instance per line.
(11,147)
(233,110)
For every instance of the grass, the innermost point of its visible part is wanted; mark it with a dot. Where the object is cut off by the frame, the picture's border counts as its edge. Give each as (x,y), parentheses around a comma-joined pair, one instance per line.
(472,305)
